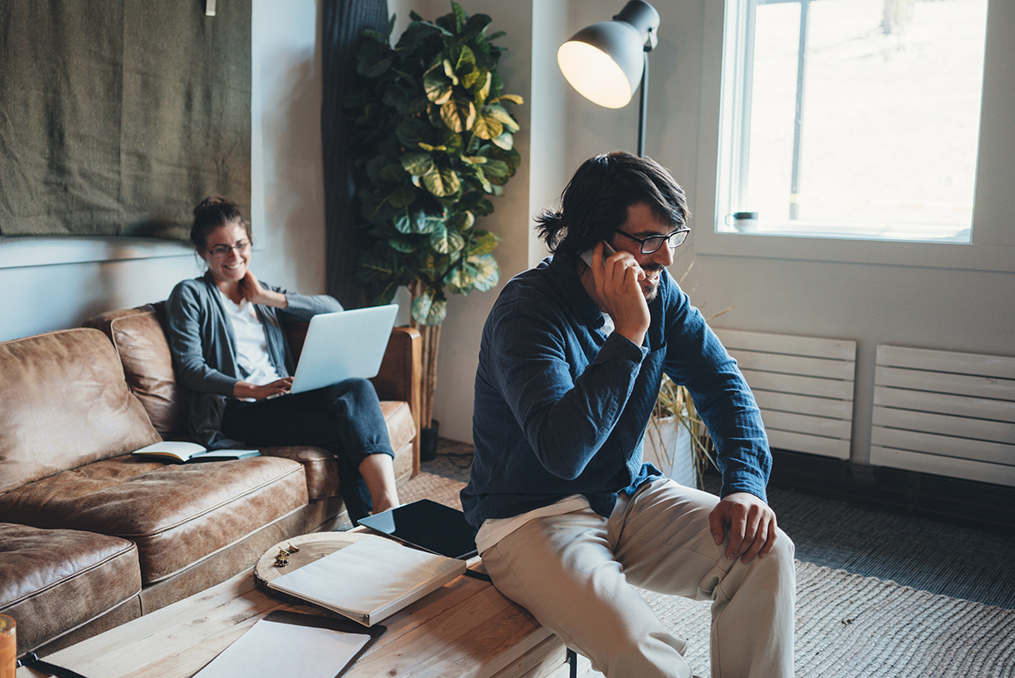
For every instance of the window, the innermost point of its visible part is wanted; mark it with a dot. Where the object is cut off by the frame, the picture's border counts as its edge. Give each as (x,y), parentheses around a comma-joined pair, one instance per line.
(851,118)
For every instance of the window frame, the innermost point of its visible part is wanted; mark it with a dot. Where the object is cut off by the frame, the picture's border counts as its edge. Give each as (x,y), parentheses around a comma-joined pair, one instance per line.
(992,243)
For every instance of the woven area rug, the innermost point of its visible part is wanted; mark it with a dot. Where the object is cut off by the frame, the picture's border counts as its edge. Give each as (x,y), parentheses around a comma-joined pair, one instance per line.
(847,625)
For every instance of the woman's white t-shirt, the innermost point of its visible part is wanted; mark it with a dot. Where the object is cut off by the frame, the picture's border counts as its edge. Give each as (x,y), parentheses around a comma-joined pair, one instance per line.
(251,346)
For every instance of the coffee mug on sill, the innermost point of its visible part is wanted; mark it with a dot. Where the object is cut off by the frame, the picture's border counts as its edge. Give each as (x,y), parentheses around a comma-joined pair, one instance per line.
(744,222)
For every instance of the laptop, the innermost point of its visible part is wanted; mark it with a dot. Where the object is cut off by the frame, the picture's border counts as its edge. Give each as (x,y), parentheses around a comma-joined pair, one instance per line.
(343,345)
(427,525)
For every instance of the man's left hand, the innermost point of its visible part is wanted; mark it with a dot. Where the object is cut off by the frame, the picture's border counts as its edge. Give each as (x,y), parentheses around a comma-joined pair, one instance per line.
(751,523)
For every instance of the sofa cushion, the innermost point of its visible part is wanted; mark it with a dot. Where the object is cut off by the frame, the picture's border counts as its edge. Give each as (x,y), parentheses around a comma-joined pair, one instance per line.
(52,581)
(65,404)
(138,336)
(318,465)
(177,514)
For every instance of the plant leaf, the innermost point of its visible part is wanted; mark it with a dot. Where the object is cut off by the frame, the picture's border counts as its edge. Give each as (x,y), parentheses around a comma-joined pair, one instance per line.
(417,164)
(481,90)
(487,127)
(459,16)
(428,309)
(438,86)
(446,241)
(402,196)
(484,244)
(458,114)
(392,173)
(385,295)
(413,131)
(411,222)
(496,169)
(463,220)
(441,182)
(403,245)
(487,271)
(449,70)
(505,141)
(371,268)
(500,113)
(508,97)
(460,280)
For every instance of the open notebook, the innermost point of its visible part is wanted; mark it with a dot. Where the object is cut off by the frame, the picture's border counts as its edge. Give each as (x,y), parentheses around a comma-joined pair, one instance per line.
(370,579)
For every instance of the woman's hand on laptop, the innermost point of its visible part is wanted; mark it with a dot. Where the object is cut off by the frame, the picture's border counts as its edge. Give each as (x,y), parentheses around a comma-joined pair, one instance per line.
(247,391)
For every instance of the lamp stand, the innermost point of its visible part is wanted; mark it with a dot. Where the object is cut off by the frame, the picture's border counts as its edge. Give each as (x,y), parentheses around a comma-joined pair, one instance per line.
(642,107)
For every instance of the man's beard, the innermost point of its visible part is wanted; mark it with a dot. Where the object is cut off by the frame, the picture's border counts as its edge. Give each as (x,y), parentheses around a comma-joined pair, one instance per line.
(650,290)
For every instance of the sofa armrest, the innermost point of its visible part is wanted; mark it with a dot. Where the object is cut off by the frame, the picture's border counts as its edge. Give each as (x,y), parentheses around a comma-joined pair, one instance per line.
(400,377)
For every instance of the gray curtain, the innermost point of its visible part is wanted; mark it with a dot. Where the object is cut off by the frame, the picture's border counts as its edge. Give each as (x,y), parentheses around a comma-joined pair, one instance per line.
(118,116)
(343,22)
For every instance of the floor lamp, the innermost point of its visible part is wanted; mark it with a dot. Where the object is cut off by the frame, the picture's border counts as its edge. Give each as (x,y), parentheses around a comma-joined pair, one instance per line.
(606,61)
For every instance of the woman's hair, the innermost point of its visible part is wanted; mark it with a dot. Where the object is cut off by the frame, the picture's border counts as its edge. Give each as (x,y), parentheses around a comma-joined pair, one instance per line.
(212,212)
(595,201)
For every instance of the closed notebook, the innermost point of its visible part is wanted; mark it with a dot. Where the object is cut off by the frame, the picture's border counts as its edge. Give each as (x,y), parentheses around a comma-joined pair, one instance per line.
(291,644)
(370,579)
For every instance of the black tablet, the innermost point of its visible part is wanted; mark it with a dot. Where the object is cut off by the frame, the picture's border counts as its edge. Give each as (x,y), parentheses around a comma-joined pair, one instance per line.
(428,525)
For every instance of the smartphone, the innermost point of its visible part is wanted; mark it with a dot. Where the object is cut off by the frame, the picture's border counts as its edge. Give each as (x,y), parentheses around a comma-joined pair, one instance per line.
(587,254)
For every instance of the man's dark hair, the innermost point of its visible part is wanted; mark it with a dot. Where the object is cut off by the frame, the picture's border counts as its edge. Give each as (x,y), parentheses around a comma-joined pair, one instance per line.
(212,212)
(595,201)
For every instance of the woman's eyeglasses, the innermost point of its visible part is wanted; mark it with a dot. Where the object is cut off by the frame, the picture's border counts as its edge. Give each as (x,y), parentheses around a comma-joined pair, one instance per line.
(220,251)
(652,243)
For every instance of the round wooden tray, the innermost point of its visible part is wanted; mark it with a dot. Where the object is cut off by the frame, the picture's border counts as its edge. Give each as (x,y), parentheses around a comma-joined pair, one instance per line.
(311,547)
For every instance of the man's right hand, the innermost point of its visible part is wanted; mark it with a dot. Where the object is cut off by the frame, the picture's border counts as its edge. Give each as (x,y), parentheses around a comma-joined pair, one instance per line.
(618,285)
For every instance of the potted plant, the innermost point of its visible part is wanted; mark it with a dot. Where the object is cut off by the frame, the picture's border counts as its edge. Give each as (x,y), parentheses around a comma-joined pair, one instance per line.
(433,140)
(676,440)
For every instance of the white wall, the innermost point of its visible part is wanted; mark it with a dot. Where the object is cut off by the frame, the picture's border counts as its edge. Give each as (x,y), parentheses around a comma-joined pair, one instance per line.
(54,284)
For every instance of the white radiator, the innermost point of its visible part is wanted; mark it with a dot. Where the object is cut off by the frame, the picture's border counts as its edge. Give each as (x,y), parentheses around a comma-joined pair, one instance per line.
(803,385)
(945,413)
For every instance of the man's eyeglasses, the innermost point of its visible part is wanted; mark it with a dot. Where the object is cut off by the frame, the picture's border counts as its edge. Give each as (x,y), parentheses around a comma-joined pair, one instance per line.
(220,251)
(652,243)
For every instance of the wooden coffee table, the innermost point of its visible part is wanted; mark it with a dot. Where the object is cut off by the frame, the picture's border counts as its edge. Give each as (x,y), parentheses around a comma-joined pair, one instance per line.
(465,628)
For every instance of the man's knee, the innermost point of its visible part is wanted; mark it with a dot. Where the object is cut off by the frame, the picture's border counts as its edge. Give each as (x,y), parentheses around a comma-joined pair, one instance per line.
(784,548)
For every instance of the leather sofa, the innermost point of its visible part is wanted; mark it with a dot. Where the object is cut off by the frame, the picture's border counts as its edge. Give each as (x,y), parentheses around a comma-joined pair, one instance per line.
(92,536)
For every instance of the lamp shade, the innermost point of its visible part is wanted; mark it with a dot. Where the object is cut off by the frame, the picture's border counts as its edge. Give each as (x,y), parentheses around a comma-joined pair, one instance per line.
(604,61)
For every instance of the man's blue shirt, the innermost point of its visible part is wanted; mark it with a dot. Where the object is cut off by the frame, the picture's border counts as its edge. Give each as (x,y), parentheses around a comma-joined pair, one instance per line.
(561,409)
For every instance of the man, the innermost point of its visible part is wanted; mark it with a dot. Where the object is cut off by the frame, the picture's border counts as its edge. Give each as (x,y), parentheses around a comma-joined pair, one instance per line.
(568,517)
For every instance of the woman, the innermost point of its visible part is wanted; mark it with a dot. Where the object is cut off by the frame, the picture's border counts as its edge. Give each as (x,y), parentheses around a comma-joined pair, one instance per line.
(230,352)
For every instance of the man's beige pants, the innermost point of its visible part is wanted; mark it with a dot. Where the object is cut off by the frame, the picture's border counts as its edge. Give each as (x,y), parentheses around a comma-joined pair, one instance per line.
(574,573)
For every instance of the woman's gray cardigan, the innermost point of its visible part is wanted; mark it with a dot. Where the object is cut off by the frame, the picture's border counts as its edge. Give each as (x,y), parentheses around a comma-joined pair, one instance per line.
(203,345)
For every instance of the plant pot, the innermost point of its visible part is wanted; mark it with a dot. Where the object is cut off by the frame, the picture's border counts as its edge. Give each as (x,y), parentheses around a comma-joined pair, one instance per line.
(428,442)
(668,448)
